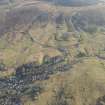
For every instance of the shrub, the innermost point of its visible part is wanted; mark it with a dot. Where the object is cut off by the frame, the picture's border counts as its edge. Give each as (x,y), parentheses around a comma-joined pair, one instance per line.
(81,54)
(2,66)
(59,98)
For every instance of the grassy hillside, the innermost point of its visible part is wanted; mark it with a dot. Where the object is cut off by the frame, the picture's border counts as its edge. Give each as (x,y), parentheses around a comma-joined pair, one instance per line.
(52,54)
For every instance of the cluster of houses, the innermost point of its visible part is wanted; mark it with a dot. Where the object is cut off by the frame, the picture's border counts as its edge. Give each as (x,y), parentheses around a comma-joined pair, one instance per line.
(15,86)
(10,100)
(11,90)
(34,72)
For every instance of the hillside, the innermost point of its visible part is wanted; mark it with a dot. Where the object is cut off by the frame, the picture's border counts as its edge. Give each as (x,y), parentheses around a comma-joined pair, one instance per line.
(73,2)
(52,52)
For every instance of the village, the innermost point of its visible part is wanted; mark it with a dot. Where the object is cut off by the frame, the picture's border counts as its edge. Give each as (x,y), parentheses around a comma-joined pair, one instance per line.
(17,85)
